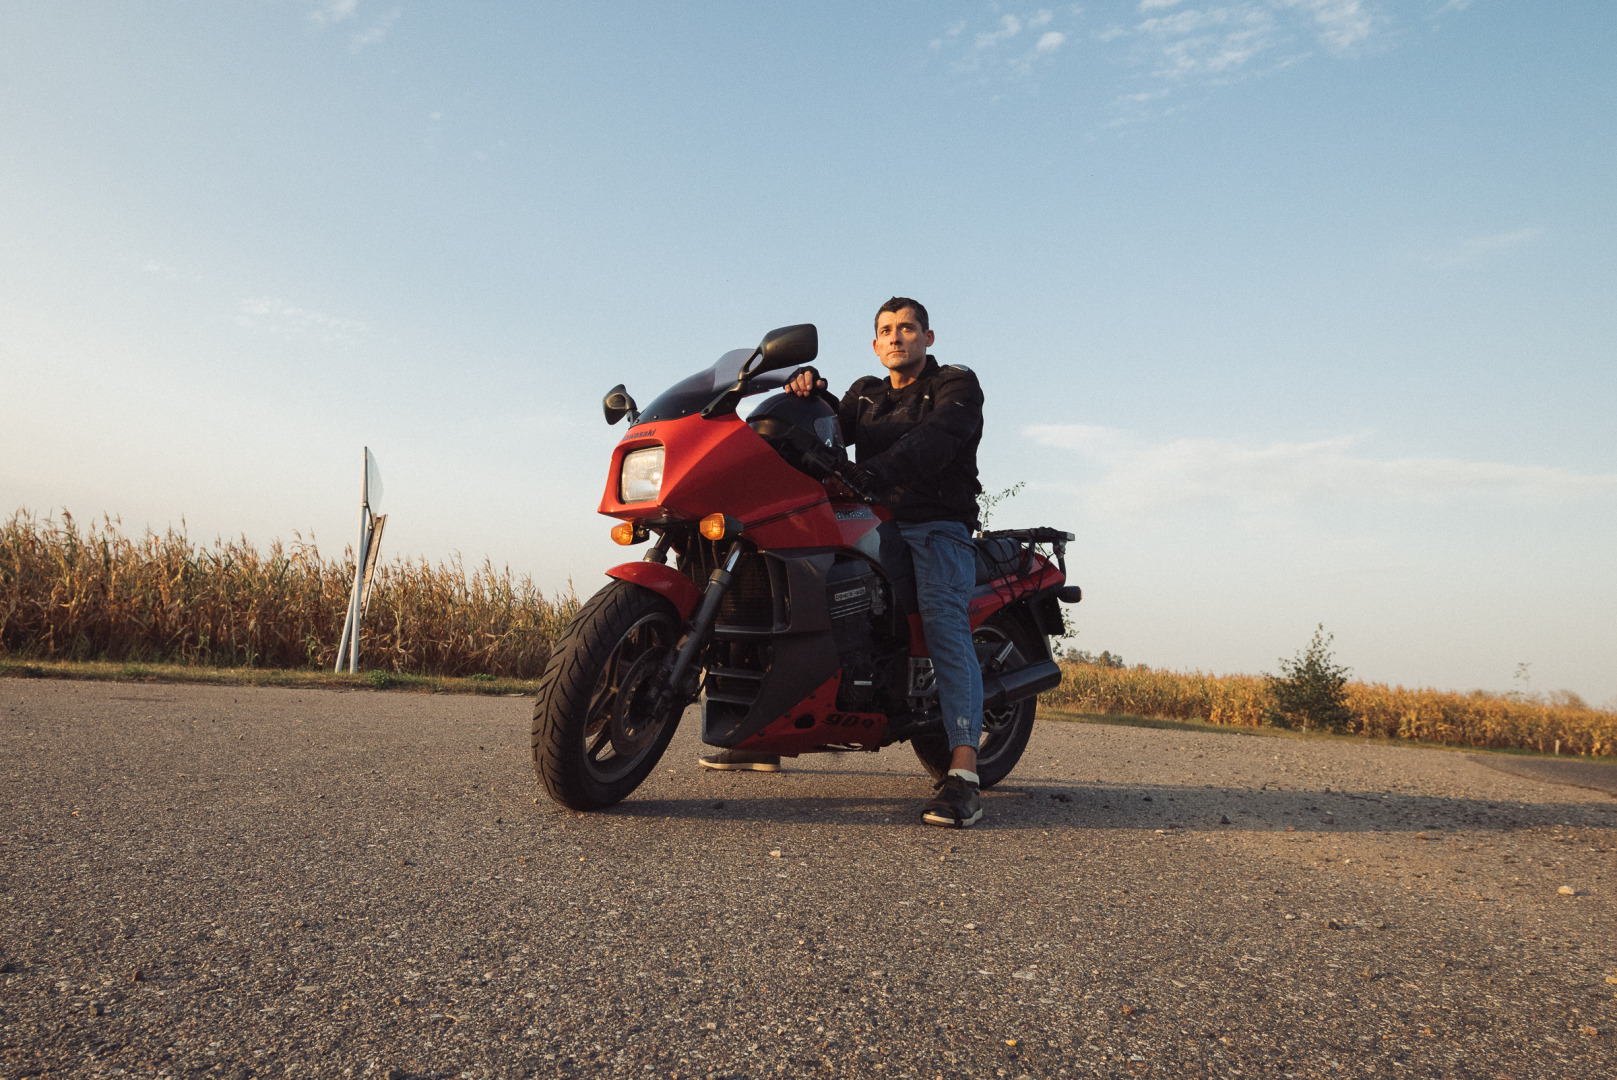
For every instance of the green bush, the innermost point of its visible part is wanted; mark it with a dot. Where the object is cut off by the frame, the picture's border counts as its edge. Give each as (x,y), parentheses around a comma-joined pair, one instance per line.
(1311,689)
(1106,659)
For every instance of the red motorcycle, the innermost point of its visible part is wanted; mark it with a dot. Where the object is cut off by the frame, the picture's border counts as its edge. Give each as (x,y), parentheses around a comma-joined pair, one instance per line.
(791,609)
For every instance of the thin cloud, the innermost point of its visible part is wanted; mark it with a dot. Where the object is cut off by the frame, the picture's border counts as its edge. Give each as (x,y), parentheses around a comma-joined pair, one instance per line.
(953,30)
(168,272)
(1132,476)
(1184,48)
(275,316)
(1477,248)
(1009,45)
(333,11)
(1009,27)
(1212,41)
(1341,25)
(375,32)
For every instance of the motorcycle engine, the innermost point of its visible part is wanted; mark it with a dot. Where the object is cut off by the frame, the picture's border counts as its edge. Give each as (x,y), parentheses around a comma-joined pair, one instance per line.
(853,597)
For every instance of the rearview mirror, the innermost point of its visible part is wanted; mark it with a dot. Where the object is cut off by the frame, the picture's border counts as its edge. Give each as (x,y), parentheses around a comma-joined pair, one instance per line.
(790,346)
(617,404)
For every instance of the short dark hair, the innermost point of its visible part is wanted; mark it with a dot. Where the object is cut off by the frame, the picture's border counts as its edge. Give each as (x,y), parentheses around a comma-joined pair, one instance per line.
(899,303)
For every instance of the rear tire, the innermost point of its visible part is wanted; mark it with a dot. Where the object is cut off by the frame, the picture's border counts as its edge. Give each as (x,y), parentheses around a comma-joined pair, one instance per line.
(1006,729)
(593,739)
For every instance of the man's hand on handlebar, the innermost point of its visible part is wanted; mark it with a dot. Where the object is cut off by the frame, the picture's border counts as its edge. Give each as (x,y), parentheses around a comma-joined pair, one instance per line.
(805,383)
(865,482)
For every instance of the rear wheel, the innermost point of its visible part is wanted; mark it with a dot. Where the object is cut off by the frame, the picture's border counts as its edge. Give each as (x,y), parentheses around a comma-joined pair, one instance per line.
(596,735)
(1006,729)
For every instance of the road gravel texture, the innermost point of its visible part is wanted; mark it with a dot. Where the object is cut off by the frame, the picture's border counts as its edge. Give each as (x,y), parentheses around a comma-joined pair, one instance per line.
(240,882)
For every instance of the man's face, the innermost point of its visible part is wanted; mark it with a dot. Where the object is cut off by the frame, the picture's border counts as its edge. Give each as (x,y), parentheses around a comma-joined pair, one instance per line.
(900,342)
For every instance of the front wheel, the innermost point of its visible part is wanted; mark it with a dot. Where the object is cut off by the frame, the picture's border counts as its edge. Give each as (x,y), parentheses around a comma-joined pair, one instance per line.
(596,735)
(1006,729)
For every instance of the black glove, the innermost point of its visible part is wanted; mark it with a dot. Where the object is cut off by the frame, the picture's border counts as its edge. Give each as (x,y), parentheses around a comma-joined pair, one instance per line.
(869,481)
(814,457)
(819,383)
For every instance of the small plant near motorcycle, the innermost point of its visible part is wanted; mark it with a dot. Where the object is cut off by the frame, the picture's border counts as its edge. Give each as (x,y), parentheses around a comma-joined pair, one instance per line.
(1311,690)
(987,502)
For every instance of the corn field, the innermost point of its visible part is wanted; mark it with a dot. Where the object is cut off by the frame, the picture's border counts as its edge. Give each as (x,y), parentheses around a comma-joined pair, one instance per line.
(94,593)
(1478,719)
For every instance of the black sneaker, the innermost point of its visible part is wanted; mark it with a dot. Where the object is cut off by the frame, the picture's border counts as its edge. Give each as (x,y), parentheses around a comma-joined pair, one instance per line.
(957,805)
(740,759)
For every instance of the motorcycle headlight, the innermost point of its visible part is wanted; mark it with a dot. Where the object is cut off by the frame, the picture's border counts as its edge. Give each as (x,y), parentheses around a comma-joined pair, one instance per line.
(642,476)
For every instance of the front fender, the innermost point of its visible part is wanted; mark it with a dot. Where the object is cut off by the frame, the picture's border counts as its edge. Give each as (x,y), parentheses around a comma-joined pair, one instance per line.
(663,580)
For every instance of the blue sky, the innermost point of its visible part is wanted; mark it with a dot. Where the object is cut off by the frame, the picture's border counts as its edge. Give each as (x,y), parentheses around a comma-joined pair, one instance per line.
(1296,311)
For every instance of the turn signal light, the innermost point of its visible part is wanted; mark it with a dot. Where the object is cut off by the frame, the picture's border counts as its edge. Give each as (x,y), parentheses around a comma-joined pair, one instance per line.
(624,533)
(719,527)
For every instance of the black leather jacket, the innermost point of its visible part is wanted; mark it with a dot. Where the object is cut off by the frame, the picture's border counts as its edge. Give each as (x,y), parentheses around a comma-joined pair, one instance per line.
(920,441)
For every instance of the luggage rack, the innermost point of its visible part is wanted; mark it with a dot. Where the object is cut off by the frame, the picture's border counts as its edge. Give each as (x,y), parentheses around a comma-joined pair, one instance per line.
(1056,538)
(1031,536)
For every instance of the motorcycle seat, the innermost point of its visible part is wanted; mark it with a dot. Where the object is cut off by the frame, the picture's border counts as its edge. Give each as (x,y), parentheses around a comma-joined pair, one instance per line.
(996,557)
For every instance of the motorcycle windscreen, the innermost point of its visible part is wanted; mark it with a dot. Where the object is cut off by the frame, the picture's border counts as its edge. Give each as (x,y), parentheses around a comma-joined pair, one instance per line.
(692,393)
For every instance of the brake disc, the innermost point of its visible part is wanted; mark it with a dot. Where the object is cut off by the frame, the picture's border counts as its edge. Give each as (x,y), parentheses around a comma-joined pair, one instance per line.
(634,723)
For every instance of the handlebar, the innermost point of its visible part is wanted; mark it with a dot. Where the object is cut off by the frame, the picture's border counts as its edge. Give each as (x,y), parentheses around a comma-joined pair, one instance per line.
(830,462)
(862,494)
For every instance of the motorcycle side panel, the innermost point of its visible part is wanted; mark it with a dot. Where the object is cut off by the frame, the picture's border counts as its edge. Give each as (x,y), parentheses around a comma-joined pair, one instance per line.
(992,597)
(804,656)
(815,722)
(661,579)
(857,524)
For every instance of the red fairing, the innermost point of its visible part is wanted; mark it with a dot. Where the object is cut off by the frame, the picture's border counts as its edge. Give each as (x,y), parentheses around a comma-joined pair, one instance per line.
(816,721)
(777,505)
(661,579)
(1011,588)
(856,520)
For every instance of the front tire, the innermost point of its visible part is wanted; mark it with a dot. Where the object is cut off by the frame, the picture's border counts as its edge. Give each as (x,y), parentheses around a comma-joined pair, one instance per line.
(594,738)
(1006,729)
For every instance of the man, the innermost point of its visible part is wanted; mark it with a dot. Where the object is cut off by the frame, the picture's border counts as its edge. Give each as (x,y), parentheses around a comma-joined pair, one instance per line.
(916,433)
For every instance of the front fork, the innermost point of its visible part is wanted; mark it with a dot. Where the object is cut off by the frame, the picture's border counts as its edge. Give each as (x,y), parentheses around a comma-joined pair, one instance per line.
(675,688)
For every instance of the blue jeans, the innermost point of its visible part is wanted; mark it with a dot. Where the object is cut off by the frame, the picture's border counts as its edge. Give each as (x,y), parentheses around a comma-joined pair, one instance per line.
(945,573)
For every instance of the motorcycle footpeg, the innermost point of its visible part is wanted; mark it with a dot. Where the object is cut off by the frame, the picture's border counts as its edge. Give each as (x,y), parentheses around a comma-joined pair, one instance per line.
(909,728)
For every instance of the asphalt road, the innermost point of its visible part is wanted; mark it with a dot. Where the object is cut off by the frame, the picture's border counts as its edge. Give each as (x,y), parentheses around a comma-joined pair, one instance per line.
(202,882)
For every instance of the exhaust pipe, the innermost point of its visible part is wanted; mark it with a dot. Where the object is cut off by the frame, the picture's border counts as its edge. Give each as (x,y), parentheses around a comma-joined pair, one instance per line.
(1009,687)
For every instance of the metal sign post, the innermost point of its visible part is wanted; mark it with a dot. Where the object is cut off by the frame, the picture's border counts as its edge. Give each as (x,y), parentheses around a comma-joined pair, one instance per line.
(365,561)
